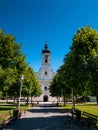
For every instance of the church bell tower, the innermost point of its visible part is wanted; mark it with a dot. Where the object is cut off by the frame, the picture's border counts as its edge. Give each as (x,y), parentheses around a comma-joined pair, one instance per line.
(46,53)
(45,74)
(46,63)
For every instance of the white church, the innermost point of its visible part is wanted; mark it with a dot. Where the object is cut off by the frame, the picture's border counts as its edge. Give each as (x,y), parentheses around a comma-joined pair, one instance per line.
(45,75)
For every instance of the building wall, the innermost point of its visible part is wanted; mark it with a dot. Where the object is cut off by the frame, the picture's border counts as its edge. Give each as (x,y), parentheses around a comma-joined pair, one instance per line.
(45,81)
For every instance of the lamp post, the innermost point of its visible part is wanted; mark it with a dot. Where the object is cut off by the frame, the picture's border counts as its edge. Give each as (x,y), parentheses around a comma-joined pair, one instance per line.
(21,78)
(73,103)
(62,96)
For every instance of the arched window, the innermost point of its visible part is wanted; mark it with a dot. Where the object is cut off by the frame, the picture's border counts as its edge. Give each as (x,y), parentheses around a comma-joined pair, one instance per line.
(46,60)
(45,88)
(45,72)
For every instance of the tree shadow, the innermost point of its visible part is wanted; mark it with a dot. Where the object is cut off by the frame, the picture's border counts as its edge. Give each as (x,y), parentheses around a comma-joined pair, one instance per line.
(46,110)
(59,121)
(6,109)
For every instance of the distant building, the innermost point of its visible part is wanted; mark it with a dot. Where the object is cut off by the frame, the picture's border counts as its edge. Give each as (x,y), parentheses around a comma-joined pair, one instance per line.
(45,75)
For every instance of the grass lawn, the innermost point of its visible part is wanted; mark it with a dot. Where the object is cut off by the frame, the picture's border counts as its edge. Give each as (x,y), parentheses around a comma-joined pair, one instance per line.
(9,107)
(87,107)
(93,109)
(6,110)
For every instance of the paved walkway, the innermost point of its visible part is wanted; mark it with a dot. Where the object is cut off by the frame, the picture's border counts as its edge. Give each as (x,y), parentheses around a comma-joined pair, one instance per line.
(45,118)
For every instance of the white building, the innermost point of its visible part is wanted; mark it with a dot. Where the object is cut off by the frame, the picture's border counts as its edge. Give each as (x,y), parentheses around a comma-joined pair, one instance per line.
(45,75)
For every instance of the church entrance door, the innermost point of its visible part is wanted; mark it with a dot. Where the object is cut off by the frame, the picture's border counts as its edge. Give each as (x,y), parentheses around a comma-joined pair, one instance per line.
(45,98)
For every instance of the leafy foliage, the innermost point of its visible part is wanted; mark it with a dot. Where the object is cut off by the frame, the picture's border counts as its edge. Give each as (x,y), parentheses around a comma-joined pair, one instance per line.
(85,56)
(31,85)
(12,66)
(80,68)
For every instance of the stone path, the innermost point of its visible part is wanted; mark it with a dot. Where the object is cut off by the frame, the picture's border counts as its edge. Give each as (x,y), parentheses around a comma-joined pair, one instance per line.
(45,118)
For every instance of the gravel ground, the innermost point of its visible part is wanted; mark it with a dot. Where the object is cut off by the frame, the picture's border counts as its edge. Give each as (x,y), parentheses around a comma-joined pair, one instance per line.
(45,118)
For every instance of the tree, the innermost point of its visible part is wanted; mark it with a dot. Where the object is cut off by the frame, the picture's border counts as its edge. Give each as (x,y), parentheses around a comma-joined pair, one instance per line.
(54,87)
(7,80)
(31,86)
(12,62)
(12,66)
(85,52)
(59,86)
(80,69)
(1,76)
(63,80)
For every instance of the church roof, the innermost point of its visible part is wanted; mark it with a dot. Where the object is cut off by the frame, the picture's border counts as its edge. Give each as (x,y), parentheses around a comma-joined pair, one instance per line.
(46,50)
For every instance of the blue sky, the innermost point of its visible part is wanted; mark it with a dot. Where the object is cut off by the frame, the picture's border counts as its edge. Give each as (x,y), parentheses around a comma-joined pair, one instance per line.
(33,22)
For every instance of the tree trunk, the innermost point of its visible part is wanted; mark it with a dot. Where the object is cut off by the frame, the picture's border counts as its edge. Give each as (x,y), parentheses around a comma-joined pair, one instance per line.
(97,98)
(6,101)
(57,101)
(31,99)
(17,102)
(14,98)
(27,100)
(64,100)
(74,102)
(76,98)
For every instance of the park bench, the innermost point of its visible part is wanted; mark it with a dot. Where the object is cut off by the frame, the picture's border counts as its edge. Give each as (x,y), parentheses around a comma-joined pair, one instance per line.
(77,114)
(4,119)
(16,114)
(7,117)
(89,119)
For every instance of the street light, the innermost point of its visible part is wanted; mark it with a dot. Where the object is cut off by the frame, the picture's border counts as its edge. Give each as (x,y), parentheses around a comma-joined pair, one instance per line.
(21,78)
(62,96)
(73,103)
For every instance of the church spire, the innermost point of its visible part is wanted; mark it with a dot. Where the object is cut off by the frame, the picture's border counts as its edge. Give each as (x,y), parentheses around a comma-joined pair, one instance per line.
(46,46)
(46,50)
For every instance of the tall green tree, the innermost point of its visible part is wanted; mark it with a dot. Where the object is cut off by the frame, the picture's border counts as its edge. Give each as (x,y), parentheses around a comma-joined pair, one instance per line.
(54,87)
(80,69)
(31,86)
(59,87)
(12,62)
(1,76)
(65,90)
(12,66)
(85,52)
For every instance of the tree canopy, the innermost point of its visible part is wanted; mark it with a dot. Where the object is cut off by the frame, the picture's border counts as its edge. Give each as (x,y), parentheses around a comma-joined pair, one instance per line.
(80,68)
(12,66)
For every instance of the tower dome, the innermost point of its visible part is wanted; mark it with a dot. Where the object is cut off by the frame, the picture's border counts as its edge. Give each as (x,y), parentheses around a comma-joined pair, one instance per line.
(46,50)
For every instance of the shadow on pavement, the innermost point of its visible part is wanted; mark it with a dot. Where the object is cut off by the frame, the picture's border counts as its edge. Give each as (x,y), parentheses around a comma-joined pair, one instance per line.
(45,118)
(46,110)
(46,123)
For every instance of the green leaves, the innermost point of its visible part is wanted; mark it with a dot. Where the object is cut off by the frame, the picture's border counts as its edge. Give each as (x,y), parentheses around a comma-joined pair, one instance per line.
(80,68)
(12,66)
(31,85)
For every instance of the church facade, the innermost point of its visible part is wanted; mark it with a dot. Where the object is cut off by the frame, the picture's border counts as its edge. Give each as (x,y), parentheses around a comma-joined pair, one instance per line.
(45,75)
